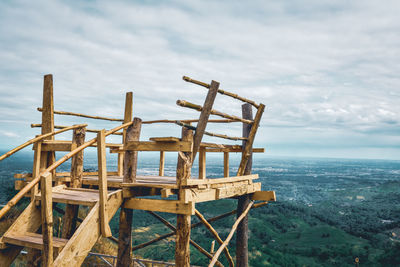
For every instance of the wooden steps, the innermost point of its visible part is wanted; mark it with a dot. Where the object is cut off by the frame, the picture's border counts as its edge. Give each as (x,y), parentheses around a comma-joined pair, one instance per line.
(33,240)
(75,196)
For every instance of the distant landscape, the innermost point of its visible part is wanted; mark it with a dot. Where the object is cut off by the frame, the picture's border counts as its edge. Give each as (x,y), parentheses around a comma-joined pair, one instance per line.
(328,212)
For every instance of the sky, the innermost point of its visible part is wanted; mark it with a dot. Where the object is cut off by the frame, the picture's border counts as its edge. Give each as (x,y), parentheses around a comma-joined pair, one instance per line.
(327,71)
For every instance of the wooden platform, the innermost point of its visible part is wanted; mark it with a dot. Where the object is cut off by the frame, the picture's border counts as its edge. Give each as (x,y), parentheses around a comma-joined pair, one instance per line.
(33,240)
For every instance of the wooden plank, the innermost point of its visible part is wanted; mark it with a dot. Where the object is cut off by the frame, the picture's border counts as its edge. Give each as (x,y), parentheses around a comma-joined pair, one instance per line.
(162,163)
(131,157)
(264,196)
(87,234)
(102,165)
(204,115)
(234,150)
(165,139)
(249,143)
(161,205)
(239,190)
(202,163)
(226,164)
(185,146)
(33,240)
(47,219)
(220,180)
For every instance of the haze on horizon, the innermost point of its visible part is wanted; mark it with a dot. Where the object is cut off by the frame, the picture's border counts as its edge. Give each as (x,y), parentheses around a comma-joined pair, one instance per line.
(328,71)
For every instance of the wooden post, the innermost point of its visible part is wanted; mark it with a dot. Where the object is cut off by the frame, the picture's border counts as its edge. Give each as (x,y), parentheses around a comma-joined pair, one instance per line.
(47,219)
(204,115)
(183,222)
(124,258)
(202,163)
(162,163)
(127,118)
(226,164)
(242,235)
(102,165)
(71,211)
(36,168)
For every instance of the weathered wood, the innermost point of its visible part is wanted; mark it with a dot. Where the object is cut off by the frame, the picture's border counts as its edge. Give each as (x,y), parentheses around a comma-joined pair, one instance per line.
(165,139)
(226,164)
(202,163)
(127,118)
(78,139)
(234,150)
(47,219)
(184,165)
(216,236)
(185,146)
(264,196)
(170,206)
(36,168)
(226,242)
(37,139)
(125,238)
(220,180)
(244,200)
(131,157)
(102,165)
(187,121)
(87,234)
(235,96)
(162,163)
(224,136)
(82,115)
(204,115)
(187,104)
(33,240)
(249,143)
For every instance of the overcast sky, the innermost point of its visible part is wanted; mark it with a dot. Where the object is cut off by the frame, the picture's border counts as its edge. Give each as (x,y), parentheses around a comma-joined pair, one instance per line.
(328,71)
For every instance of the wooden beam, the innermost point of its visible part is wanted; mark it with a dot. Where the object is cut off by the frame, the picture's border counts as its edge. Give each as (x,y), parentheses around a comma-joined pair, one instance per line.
(158,146)
(187,104)
(204,115)
(162,163)
(102,165)
(264,196)
(160,205)
(47,219)
(226,242)
(131,157)
(38,125)
(234,150)
(220,180)
(82,115)
(216,236)
(202,163)
(127,118)
(242,254)
(226,164)
(235,96)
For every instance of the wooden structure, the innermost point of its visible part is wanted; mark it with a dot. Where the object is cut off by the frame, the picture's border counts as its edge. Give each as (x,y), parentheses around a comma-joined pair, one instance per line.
(125,190)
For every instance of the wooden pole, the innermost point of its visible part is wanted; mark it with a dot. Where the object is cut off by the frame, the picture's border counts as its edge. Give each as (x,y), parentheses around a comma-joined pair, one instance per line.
(226,242)
(125,218)
(162,163)
(183,222)
(47,219)
(127,118)
(242,235)
(82,115)
(224,136)
(202,163)
(216,236)
(71,211)
(102,165)
(226,164)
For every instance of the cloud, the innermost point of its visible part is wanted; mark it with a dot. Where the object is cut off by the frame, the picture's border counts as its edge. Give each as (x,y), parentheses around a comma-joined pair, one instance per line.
(315,64)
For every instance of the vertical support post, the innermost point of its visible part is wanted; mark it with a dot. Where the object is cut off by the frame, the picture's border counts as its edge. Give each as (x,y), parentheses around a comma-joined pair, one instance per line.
(127,118)
(183,222)
(204,115)
(36,168)
(71,211)
(162,163)
(101,154)
(242,235)
(226,164)
(47,158)
(47,219)
(202,163)
(125,218)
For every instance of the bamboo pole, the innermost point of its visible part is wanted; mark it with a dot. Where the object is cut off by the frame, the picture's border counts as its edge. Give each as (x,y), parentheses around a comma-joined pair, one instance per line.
(187,104)
(216,236)
(226,242)
(38,138)
(35,180)
(180,123)
(222,92)
(82,115)
(37,125)
(216,218)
